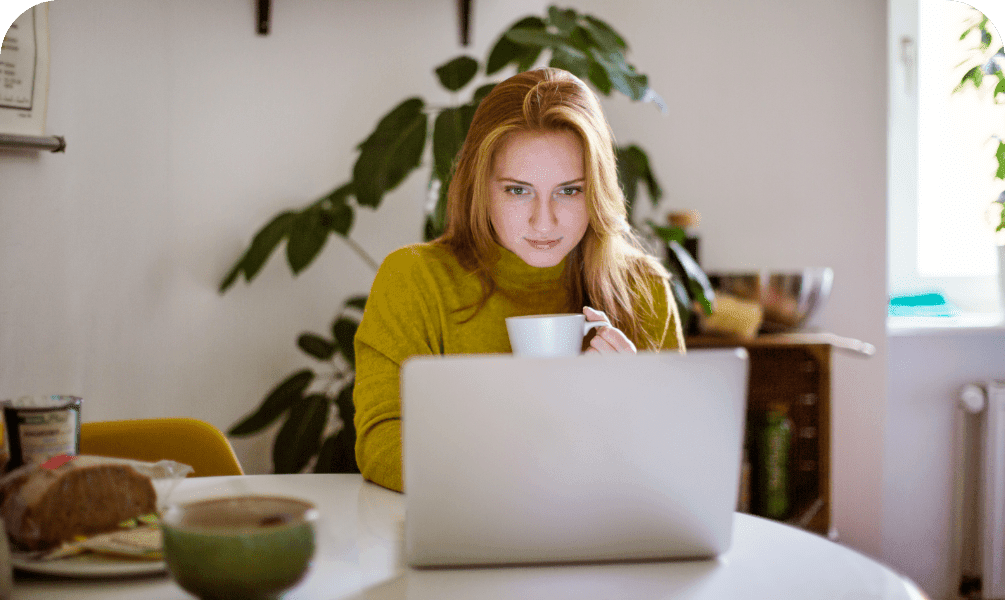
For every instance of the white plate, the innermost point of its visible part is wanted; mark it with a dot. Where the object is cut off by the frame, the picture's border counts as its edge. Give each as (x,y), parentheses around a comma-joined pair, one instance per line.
(88,565)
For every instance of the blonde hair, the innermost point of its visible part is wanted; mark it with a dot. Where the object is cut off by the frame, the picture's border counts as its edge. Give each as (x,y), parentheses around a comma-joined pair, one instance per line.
(608,268)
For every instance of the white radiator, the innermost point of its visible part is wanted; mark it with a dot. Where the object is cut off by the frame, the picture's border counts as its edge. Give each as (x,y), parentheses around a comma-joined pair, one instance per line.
(979,491)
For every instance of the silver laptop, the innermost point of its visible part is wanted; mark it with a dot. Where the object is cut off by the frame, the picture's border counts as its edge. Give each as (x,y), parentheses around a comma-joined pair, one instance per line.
(593,458)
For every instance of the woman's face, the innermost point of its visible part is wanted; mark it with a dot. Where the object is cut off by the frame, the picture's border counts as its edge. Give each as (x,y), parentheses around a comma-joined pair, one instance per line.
(537,203)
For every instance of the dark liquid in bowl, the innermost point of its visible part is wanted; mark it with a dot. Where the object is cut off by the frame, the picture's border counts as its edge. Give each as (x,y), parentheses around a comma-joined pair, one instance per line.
(243,513)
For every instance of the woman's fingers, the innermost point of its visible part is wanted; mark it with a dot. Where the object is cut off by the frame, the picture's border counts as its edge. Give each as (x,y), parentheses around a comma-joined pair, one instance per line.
(610,340)
(593,314)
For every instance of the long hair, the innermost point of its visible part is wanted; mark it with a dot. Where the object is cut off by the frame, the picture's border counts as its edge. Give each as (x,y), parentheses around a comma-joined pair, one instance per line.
(608,268)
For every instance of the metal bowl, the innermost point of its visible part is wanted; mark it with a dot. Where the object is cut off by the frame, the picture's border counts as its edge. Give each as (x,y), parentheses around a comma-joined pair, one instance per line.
(789,299)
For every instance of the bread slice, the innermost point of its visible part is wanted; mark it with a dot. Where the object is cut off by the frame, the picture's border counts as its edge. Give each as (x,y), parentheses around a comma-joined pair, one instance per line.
(43,508)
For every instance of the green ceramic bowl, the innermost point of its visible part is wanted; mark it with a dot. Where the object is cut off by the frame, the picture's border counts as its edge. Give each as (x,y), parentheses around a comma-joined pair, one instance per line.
(241,547)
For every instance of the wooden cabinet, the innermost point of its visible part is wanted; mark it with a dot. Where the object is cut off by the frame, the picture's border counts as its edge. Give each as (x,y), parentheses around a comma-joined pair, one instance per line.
(794,370)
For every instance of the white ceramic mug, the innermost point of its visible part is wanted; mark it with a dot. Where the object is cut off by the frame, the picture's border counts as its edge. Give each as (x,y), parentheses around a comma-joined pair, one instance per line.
(549,335)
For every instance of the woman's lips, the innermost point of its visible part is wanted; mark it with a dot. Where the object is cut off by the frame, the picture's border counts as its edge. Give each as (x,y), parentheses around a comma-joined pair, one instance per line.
(543,244)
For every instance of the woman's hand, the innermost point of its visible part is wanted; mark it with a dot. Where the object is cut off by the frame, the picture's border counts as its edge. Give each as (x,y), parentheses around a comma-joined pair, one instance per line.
(609,339)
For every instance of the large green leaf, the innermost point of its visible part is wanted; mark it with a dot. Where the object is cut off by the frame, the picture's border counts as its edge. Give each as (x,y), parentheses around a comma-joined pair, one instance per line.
(527,60)
(580,40)
(306,232)
(572,60)
(264,242)
(338,452)
(357,302)
(391,152)
(669,234)
(279,400)
(345,442)
(1000,155)
(436,221)
(563,19)
(344,452)
(326,455)
(526,36)
(634,167)
(623,76)
(337,214)
(344,330)
(346,408)
(481,92)
(307,237)
(507,51)
(698,284)
(598,77)
(449,130)
(683,300)
(316,346)
(457,73)
(300,436)
(603,35)
(699,296)
(975,76)
(629,174)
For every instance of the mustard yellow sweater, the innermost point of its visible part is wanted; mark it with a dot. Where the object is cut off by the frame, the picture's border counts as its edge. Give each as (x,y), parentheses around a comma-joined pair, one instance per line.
(411,310)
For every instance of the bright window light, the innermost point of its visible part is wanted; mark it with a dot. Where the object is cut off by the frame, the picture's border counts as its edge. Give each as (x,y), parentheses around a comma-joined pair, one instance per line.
(956,147)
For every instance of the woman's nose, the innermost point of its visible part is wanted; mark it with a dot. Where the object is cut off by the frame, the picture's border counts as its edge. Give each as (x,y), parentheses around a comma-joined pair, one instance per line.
(542,217)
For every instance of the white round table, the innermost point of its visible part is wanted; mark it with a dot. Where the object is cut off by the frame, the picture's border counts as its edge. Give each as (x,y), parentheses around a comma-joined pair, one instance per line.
(360,556)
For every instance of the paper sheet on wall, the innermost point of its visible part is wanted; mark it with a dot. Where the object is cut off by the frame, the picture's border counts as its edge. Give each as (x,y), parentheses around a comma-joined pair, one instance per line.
(24,73)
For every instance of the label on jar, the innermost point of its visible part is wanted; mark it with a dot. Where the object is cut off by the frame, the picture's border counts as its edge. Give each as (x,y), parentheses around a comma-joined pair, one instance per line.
(47,434)
(37,434)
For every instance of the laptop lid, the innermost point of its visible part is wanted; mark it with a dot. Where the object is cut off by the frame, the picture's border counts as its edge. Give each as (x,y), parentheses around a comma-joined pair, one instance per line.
(587,458)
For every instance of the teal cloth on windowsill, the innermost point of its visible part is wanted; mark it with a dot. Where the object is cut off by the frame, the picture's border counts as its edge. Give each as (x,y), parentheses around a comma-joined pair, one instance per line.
(922,305)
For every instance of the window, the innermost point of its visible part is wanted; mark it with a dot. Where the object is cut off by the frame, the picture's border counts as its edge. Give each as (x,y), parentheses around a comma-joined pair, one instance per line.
(942,157)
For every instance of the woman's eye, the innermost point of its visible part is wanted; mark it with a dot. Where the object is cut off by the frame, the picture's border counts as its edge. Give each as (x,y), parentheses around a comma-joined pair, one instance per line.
(516,190)
(570,191)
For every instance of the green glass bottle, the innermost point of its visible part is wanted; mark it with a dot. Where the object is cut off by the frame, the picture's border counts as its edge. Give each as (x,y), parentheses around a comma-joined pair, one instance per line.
(775,440)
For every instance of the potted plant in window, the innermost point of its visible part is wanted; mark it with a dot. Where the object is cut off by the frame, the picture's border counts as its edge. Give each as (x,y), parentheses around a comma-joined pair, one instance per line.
(579,43)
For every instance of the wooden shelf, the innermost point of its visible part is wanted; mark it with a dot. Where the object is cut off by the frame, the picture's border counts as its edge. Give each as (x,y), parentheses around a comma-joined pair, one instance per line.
(784,339)
(794,369)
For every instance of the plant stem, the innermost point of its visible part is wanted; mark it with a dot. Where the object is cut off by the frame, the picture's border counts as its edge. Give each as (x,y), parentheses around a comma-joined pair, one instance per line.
(362,253)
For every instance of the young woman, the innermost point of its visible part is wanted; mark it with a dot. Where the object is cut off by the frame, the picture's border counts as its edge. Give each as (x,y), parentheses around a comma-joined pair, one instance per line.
(536,224)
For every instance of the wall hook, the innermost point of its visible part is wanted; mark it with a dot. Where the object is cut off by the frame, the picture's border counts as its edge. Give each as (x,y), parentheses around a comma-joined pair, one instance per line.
(464,20)
(264,16)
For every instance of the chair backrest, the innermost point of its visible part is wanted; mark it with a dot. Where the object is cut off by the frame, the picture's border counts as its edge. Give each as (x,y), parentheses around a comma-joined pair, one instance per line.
(190,441)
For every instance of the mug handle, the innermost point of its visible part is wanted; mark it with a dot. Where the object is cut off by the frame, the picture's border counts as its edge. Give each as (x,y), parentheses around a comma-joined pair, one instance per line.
(588,325)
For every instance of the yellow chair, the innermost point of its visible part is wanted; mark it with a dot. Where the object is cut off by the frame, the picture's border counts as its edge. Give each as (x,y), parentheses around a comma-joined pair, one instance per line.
(189,441)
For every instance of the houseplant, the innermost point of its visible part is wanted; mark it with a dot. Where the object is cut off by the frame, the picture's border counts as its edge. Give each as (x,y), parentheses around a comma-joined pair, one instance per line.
(579,43)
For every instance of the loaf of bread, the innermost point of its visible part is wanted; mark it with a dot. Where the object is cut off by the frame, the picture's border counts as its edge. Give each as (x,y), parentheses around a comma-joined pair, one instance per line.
(43,507)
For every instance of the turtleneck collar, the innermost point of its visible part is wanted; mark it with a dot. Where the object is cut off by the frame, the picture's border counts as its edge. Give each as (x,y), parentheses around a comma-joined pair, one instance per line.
(511,272)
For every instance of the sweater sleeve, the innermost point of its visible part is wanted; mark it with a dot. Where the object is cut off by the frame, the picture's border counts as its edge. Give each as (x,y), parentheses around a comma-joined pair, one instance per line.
(400,320)
(377,418)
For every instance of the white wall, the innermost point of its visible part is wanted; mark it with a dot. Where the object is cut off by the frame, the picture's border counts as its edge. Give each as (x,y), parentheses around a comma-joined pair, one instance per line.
(926,372)
(186,131)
